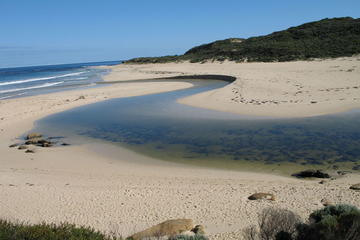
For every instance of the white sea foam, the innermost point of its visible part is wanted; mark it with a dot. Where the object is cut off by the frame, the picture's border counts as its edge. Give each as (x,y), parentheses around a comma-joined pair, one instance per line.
(12,95)
(33,87)
(39,79)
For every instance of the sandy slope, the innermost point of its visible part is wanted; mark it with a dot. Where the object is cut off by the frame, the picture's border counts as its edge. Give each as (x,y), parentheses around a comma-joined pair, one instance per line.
(113,189)
(289,89)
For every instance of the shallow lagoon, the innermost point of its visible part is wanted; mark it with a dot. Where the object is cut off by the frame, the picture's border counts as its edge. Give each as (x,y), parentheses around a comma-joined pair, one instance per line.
(158,126)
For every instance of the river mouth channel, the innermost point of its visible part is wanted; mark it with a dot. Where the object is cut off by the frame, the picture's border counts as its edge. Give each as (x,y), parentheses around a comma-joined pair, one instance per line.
(157,126)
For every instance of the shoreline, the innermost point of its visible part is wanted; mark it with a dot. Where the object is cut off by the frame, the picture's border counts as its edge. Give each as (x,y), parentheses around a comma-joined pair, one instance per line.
(280,90)
(111,188)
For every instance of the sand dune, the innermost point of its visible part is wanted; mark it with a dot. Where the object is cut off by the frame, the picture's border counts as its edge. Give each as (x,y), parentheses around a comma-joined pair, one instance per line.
(289,89)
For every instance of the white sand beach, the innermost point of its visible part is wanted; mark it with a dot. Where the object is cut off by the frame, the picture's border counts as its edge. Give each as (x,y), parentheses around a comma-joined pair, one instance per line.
(286,89)
(114,189)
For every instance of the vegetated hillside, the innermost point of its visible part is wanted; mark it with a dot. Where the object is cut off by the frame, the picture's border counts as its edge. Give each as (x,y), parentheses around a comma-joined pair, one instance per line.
(336,37)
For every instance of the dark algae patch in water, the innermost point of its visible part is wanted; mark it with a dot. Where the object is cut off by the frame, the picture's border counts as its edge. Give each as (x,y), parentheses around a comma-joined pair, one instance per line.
(156,125)
(302,142)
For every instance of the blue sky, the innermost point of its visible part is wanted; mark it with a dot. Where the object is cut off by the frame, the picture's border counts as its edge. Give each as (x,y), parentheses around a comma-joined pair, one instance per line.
(39,32)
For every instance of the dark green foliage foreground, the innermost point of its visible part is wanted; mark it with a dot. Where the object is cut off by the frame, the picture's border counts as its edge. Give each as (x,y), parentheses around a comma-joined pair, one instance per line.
(336,37)
(330,223)
(20,231)
(64,231)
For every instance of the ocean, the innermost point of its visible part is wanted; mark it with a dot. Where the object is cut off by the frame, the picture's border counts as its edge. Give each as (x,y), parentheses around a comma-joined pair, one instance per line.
(34,80)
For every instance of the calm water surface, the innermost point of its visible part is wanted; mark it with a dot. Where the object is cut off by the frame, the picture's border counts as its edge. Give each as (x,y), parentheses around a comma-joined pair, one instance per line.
(158,126)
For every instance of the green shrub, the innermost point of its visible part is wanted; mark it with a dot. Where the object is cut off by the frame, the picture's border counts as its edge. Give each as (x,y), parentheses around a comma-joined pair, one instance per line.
(336,37)
(333,212)
(338,222)
(43,231)
(332,223)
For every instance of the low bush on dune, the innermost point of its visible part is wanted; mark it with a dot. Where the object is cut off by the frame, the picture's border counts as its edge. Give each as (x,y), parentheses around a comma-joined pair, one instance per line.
(274,223)
(43,231)
(330,223)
